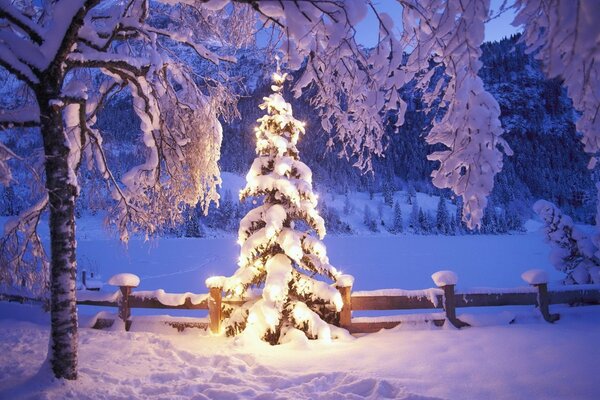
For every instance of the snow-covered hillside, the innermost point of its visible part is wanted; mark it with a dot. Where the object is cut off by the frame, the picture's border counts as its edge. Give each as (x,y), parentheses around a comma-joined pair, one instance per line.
(348,213)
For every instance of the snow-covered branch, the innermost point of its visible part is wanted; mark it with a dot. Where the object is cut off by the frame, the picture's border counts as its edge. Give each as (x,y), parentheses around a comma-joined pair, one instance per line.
(449,34)
(22,256)
(20,21)
(352,86)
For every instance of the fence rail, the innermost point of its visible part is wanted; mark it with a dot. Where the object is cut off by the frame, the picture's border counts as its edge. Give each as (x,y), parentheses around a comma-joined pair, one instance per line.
(443,298)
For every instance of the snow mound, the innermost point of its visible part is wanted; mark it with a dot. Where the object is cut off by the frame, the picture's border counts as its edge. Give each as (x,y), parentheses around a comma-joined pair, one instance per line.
(124,279)
(488,319)
(535,276)
(444,278)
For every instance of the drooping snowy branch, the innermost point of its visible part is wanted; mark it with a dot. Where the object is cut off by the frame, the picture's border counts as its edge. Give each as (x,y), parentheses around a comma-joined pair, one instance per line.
(351,86)
(450,33)
(22,256)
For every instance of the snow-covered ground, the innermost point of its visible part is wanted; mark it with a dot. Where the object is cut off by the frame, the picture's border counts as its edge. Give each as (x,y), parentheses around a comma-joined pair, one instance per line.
(529,359)
(526,360)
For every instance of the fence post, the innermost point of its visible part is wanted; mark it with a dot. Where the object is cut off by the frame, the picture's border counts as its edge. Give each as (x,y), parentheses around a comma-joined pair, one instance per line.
(125,282)
(539,279)
(84,278)
(344,286)
(446,280)
(450,307)
(543,302)
(124,310)
(215,313)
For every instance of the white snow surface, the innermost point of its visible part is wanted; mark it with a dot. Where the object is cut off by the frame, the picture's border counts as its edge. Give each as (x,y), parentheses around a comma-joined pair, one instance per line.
(529,359)
(444,278)
(535,276)
(124,279)
(526,360)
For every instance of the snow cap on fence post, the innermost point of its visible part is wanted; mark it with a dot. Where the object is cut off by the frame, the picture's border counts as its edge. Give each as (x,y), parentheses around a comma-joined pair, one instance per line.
(344,280)
(215,286)
(444,278)
(215,282)
(124,279)
(535,276)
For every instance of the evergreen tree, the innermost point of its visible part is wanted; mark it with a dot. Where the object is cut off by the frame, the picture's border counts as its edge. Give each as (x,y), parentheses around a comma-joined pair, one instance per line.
(380,206)
(442,219)
(388,192)
(413,221)
(368,219)
(371,189)
(424,226)
(227,211)
(192,225)
(348,207)
(412,194)
(452,230)
(460,225)
(397,224)
(275,255)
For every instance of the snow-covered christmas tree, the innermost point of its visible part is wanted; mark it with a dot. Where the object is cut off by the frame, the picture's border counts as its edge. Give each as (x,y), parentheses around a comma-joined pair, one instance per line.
(284,261)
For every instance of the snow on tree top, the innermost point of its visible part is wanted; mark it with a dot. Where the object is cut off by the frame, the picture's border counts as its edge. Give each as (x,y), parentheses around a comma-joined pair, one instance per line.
(444,278)
(535,276)
(124,279)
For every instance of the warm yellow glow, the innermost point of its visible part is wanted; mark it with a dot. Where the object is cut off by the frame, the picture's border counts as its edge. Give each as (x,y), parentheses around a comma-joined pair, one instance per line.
(300,314)
(271,319)
(339,303)
(239,290)
(274,292)
(252,318)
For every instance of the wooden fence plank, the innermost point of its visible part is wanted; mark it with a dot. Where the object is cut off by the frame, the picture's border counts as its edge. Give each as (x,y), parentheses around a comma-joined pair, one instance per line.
(152,302)
(495,299)
(371,327)
(581,296)
(394,303)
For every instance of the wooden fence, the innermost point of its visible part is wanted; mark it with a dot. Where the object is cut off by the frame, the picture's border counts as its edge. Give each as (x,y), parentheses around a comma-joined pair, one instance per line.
(444,299)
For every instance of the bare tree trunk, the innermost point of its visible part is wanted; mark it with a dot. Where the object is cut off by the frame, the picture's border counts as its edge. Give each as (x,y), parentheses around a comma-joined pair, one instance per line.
(63,269)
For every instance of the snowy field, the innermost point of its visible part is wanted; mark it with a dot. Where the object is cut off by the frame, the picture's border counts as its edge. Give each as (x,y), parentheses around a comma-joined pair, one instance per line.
(529,359)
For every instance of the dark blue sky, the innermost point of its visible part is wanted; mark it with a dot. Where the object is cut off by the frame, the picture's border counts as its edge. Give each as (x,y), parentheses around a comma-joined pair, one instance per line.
(367,29)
